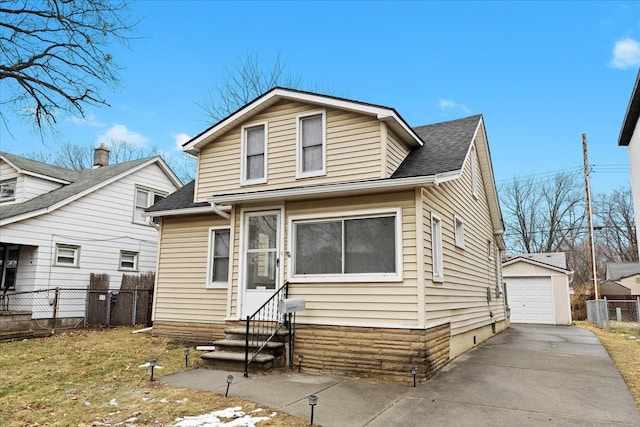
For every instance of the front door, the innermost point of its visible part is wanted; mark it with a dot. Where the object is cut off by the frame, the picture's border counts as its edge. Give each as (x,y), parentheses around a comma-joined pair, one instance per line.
(261,275)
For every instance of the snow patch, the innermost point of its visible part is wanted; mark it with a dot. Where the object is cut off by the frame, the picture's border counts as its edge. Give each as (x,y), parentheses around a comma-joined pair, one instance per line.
(213,419)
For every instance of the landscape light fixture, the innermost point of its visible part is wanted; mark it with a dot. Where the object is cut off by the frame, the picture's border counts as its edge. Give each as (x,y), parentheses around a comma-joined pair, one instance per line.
(414,372)
(152,364)
(300,359)
(229,381)
(313,401)
(186,357)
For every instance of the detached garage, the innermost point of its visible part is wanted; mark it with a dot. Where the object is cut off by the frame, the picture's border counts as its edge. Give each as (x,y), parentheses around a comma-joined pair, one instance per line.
(537,288)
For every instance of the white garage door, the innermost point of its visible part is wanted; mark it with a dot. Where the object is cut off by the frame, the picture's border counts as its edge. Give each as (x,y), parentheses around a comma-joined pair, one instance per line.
(530,299)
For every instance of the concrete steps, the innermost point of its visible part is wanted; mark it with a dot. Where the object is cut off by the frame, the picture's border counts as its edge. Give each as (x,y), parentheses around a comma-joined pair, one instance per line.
(229,353)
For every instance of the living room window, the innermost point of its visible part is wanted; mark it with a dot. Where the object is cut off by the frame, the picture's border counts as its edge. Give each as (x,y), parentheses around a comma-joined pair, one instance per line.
(7,190)
(218,266)
(359,246)
(144,198)
(254,154)
(67,255)
(311,149)
(129,260)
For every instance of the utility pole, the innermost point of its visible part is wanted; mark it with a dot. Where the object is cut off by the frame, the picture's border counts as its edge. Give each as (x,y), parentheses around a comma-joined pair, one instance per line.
(592,248)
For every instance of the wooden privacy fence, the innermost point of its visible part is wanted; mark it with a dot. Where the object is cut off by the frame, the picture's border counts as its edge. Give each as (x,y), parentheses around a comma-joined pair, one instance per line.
(129,305)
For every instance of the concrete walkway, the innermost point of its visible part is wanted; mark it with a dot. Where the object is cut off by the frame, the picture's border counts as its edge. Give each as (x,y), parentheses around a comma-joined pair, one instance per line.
(529,375)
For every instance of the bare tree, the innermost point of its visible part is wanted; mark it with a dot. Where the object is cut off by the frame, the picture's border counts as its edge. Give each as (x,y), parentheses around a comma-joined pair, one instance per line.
(617,229)
(244,82)
(543,216)
(56,54)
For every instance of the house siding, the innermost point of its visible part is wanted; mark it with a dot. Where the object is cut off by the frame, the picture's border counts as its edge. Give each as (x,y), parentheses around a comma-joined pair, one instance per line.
(33,187)
(181,295)
(396,153)
(353,151)
(632,282)
(462,298)
(100,223)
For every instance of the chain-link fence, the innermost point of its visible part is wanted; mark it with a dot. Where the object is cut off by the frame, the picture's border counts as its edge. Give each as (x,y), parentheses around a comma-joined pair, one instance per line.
(63,308)
(602,311)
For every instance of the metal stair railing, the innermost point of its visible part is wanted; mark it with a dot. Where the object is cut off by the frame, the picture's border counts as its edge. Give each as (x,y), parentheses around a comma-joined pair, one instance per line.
(265,322)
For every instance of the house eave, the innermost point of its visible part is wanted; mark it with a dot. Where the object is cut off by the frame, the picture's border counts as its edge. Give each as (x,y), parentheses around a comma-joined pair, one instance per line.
(327,190)
(631,115)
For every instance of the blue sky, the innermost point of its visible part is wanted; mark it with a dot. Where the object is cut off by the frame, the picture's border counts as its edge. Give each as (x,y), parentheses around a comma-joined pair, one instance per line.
(542,73)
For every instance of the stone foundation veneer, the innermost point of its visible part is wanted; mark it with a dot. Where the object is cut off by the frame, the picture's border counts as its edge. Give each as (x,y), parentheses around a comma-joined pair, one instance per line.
(379,353)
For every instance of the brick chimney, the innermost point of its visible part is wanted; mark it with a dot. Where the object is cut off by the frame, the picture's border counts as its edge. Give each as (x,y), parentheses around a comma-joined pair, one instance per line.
(100,156)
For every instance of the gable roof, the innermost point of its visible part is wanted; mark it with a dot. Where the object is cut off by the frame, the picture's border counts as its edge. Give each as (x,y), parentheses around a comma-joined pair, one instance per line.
(445,148)
(386,114)
(39,169)
(87,181)
(619,270)
(556,259)
(631,116)
(552,261)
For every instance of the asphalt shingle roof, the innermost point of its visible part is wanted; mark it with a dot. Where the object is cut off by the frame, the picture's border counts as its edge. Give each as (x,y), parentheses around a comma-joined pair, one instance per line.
(620,270)
(85,180)
(179,199)
(445,148)
(42,168)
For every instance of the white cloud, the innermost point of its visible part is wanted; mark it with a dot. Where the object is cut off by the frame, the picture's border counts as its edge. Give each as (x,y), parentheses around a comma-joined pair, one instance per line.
(180,139)
(626,54)
(121,133)
(90,120)
(445,104)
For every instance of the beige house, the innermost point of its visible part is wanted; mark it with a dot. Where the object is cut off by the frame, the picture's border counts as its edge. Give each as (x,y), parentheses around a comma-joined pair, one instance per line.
(392,235)
(537,288)
(623,278)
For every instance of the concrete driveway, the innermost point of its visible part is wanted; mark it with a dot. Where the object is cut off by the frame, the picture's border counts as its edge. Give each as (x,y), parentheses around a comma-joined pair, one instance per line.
(529,375)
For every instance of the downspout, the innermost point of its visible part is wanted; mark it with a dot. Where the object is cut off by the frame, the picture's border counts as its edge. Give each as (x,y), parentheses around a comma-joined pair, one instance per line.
(220,210)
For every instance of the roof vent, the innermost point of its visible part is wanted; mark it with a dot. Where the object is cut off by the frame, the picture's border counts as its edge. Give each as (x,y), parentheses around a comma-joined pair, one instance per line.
(101,156)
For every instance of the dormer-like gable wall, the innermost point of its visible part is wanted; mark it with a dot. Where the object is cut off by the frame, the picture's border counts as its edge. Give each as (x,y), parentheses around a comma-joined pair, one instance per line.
(26,187)
(358,147)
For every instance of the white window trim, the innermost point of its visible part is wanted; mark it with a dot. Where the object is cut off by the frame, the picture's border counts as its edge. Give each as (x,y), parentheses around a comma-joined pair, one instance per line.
(458,234)
(136,261)
(151,193)
(243,152)
(474,172)
(13,181)
(76,255)
(299,161)
(209,283)
(436,247)
(346,278)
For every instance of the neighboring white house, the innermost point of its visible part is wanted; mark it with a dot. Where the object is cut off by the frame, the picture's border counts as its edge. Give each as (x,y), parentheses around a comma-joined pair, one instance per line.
(58,225)
(630,137)
(537,288)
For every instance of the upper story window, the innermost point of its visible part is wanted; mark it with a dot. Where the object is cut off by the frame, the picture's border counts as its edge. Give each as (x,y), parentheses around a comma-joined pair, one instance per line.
(7,190)
(67,255)
(351,248)
(145,197)
(474,172)
(311,147)
(254,154)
